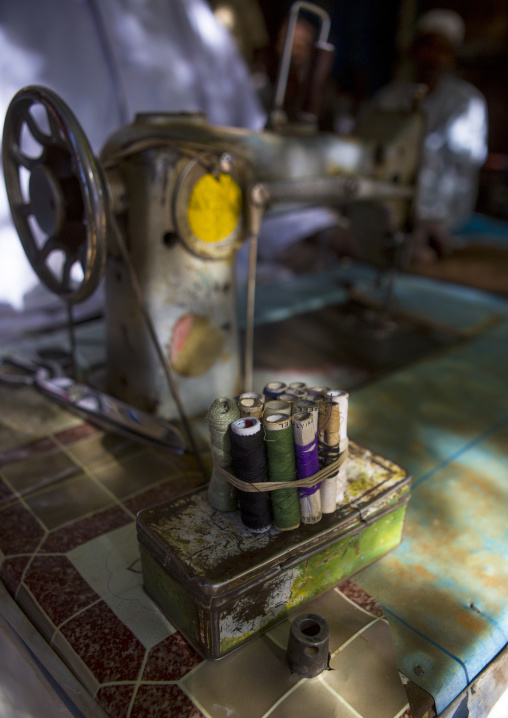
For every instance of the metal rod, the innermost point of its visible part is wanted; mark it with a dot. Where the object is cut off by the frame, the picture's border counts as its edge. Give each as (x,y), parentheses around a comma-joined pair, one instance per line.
(72,340)
(249,329)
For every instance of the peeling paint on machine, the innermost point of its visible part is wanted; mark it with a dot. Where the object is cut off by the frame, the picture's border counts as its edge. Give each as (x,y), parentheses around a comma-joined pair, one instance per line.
(221,585)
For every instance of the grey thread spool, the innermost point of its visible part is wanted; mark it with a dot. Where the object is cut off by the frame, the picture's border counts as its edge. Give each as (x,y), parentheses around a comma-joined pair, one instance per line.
(308,652)
(221,494)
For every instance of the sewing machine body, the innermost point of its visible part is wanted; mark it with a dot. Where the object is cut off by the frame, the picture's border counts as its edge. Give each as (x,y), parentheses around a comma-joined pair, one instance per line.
(182,194)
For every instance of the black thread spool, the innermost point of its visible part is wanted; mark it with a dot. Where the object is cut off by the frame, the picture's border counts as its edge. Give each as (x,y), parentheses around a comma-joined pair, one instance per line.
(249,463)
(308,646)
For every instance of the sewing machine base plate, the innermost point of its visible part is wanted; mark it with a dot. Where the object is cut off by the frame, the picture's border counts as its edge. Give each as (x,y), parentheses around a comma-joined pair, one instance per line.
(221,585)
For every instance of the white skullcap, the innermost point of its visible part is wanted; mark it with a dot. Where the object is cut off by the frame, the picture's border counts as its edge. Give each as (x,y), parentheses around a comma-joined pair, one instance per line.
(443,22)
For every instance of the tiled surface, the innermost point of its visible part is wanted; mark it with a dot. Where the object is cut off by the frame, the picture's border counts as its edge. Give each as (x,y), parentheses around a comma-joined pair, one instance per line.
(70,560)
(444,588)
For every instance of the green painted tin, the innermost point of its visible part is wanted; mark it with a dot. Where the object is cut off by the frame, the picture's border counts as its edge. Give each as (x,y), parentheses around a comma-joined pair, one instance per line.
(221,585)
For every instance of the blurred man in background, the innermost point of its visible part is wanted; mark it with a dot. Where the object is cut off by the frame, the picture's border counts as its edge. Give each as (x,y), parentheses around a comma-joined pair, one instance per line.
(455,145)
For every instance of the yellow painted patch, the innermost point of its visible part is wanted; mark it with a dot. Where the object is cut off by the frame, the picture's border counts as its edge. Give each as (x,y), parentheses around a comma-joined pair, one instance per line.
(214,207)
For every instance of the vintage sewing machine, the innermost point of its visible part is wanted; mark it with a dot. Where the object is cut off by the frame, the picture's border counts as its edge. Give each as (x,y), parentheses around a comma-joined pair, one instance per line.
(161,215)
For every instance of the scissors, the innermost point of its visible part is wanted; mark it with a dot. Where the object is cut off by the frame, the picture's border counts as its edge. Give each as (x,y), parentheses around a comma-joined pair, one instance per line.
(101,409)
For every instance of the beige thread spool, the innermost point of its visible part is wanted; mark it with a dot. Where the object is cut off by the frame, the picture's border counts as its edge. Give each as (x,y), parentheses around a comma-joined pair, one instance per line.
(329,436)
(275,406)
(307,405)
(291,398)
(251,395)
(250,407)
(342,398)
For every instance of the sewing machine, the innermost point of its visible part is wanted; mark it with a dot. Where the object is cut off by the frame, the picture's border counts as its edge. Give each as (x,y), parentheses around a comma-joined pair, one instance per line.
(162,213)
(164,179)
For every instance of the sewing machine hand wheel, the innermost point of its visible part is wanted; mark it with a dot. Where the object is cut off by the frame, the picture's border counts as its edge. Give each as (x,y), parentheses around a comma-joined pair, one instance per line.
(60,213)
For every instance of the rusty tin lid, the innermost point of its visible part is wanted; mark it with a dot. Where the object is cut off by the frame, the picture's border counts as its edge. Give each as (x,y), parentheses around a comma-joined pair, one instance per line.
(212,553)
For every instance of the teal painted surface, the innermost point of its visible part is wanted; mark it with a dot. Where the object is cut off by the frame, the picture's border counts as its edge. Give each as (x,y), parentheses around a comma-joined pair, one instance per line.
(446,420)
(461,307)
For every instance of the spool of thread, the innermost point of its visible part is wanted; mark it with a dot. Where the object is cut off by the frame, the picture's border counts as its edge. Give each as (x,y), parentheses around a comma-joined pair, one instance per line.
(273,389)
(307,464)
(249,463)
(307,405)
(291,398)
(251,395)
(221,494)
(342,398)
(328,450)
(282,467)
(317,392)
(277,407)
(250,407)
(300,385)
(299,393)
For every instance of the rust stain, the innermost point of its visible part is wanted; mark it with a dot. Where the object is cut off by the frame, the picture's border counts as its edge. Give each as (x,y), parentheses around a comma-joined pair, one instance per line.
(195,346)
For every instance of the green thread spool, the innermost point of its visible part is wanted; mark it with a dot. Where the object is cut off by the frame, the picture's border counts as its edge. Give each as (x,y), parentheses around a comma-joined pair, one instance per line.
(282,467)
(221,494)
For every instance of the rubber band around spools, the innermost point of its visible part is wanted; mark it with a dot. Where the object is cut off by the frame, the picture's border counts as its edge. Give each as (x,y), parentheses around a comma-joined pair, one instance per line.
(275,486)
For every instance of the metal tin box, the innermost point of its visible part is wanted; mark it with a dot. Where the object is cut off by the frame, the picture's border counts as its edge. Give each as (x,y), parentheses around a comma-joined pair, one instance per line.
(221,585)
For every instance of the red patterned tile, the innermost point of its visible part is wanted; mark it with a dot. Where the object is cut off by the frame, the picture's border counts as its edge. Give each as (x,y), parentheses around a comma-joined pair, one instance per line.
(81,431)
(20,532)
(115,699)
(72,535)
(356,594)
(27,451)
(11,572)
(104,644)
(164,492)
(170,660)
(154,701)
(58,587)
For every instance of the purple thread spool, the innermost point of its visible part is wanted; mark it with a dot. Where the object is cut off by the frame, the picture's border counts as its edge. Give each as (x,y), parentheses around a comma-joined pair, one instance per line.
(307,464)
